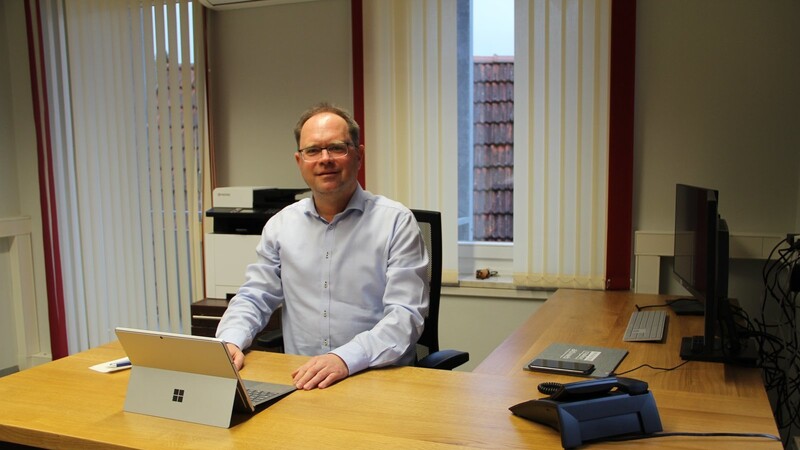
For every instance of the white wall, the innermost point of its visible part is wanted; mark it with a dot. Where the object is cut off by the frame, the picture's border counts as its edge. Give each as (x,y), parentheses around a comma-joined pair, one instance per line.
(479,322)
(717,105)
(19,189)
(9,204)
(267,65)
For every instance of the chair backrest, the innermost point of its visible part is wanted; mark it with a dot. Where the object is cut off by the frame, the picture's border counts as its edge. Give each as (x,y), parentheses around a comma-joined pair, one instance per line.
(428,353)
(430,224)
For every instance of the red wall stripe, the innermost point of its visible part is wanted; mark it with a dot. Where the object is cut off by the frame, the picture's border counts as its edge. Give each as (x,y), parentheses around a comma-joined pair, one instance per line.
(357,27)
(55,292)
(620,174)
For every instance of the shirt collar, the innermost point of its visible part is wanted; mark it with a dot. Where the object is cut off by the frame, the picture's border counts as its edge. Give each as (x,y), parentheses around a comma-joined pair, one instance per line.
(357,202)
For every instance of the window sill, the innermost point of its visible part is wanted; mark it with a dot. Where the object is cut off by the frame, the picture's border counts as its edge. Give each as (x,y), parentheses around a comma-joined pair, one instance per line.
(495,282)
(493,287)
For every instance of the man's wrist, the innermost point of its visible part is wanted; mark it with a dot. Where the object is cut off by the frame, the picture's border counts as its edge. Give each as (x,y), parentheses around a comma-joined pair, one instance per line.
(233,336)
(353,356)
(346,366)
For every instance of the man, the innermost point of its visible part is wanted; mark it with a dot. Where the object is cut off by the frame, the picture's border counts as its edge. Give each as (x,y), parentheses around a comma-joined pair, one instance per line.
(349,267)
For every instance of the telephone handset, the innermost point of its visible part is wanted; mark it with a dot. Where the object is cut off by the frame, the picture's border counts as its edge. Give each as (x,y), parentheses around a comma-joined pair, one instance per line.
(592,388)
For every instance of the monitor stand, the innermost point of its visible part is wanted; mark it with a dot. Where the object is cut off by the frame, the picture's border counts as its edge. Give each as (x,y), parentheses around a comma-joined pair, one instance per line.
(687,306)
(692,349)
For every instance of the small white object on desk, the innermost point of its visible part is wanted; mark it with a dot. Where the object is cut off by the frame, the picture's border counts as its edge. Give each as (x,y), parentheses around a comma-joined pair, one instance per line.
(112,366)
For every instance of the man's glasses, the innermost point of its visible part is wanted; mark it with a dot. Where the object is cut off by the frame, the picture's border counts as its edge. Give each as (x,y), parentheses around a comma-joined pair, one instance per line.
(335,150)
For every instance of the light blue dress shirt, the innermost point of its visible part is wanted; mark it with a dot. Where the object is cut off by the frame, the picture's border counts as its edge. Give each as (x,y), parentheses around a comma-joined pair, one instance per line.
(354,287)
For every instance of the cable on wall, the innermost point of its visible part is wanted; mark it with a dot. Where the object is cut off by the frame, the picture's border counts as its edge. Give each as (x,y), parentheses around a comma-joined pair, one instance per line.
(777,334)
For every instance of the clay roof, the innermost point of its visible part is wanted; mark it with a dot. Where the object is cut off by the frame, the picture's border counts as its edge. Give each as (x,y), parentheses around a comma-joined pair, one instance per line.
(493,136)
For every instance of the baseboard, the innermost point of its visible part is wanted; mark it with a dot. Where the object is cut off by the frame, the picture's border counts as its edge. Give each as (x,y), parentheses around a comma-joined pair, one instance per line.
(9,371)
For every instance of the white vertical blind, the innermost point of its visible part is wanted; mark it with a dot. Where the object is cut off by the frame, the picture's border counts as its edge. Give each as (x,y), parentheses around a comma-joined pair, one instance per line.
(561,110)
(411,109)
(129,152)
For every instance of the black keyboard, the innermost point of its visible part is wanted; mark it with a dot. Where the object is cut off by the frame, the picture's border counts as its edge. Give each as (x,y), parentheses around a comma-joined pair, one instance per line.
(257,396)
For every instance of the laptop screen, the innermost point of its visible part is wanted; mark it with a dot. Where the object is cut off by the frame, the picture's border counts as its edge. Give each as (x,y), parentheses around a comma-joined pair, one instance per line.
(177,352)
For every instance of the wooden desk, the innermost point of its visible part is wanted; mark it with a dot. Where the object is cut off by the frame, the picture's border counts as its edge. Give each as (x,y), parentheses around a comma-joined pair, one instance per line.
(63,404)
(714,396)
(600,318)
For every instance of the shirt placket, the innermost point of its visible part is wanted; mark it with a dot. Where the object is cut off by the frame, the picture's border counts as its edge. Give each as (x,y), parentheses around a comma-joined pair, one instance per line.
(324,308)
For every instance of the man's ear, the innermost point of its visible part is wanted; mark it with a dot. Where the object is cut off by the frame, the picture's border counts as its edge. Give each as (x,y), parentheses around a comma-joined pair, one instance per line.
(360,153)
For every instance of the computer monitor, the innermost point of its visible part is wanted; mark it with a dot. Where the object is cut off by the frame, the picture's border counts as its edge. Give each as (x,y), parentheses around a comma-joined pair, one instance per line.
(701,266)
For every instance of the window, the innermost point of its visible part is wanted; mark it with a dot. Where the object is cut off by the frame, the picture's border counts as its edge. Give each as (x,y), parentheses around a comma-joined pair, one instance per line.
(555,183)
(486,130)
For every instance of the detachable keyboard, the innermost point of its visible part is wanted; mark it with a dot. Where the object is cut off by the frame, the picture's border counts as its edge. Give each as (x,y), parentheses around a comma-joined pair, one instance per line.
(258,396)
(646,326)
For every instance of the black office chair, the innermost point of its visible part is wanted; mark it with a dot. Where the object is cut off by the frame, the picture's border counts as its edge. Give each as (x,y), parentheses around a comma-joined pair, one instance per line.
(428,353)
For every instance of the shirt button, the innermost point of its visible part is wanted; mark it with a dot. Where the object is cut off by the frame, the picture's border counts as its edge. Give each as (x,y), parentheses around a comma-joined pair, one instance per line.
(324,313)
(325,343)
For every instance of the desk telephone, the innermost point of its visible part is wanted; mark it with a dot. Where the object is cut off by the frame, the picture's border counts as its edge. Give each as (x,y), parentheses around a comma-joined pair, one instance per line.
(593,409)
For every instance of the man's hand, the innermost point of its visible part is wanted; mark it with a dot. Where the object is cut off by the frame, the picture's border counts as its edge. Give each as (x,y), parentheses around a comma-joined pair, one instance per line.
(236,355)
(321,371)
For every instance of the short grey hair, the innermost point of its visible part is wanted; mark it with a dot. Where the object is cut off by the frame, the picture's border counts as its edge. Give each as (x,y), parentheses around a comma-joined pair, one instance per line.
(352,127)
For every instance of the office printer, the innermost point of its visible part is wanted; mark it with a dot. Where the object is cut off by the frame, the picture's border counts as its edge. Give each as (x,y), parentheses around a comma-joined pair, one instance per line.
(245,209)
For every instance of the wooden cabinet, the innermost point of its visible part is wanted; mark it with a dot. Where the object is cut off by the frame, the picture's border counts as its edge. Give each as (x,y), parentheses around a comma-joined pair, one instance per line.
(206,315)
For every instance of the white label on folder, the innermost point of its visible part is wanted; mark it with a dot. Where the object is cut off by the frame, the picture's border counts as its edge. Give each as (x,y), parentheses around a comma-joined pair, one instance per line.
(580,355)
(591,356)
(568,353)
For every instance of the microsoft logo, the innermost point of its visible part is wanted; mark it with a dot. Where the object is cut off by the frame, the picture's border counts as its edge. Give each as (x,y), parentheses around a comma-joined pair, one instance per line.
(177,395)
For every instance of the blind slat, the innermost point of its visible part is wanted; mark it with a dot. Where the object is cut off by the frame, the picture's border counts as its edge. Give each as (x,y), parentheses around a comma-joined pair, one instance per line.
(149,199)
(174,197)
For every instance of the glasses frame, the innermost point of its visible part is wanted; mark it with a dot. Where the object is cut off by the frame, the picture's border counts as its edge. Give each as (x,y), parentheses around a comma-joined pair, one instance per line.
(306,158)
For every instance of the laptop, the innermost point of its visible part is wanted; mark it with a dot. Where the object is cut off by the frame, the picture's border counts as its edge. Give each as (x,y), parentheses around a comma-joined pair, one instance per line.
(189,378)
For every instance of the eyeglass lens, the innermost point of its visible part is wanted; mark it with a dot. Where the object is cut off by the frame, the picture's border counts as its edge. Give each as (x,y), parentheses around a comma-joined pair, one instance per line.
(336,150)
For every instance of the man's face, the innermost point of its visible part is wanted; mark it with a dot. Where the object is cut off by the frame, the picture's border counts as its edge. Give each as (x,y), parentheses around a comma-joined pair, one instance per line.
(328,176)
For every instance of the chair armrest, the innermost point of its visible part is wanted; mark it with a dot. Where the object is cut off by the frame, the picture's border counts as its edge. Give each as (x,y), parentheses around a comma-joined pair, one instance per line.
(271,339)
(444,360)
